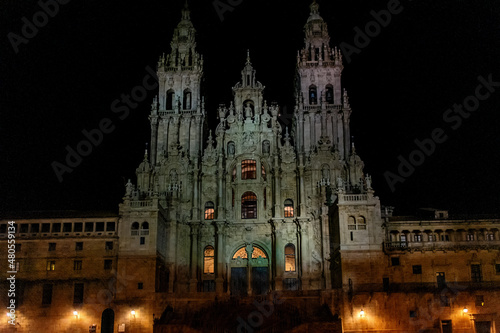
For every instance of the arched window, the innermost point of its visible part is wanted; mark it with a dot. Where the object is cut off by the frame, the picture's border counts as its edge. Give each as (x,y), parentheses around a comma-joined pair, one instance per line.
(248,169)
(288,208)
(313,96)
(263,172)
(186,101)
(248,205)
(289,258)
(256,253)
(351,223)
(209,210)
(209,260)
(329,94)
(242,253)
(170,100)
(361,223)
(134,230)
(266,146)
(234,173)
(145,228)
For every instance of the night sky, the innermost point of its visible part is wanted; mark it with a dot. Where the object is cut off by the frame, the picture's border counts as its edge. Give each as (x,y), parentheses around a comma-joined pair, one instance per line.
(64,79)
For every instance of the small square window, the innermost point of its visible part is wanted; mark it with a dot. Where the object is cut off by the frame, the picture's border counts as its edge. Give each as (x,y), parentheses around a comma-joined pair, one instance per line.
(45,227)
(77,265)
(479,300)
(66,227)
(52,246)
(140,285)
(413,314)
(109,246)
(78,227)
(99,226)
(56,227)
(79,246)
(395,261)
(142,240)
(110,226)
(24,228)
(89,226)
(35,228)
(417,269)
(108,264)
(51,265)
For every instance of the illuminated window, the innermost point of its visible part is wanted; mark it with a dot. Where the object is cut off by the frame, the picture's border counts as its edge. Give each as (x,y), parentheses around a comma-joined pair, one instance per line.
(209,210)
(51,265)
(209,260)
(248,169)
(77,265)
(290,258)
(470,237)
(417,238)
(242,253)
(288,208)
(490,237)
(144,228)
(258,253)
(248,205)
(134,230)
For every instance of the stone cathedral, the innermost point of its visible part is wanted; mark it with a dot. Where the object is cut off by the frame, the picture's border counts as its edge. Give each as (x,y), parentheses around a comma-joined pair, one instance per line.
(247,210)
(252,226)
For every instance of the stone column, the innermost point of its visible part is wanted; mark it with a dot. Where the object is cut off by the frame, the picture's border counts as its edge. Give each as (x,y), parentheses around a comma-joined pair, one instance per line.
(302,195)
(249,249)
(347,132)
(305,254)
(193,283)
(280,253)
(219,257)
(277,188)
(340,135)
(154,138)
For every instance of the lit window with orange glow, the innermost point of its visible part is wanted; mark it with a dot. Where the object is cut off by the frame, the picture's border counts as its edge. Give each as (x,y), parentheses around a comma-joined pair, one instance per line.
(290,258)
(288,208)
(242,253)
(209,210)
(248,169)
(258,253)
(209,260)
(248,205)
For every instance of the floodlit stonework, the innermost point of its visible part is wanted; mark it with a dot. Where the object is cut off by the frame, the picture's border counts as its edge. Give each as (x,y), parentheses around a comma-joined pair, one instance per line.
(254,226)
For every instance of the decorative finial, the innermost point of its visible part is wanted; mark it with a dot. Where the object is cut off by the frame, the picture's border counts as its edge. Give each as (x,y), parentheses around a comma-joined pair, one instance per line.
(248,56)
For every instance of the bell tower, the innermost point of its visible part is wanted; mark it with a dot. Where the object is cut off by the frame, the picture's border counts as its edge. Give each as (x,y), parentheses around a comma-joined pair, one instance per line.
(177,113)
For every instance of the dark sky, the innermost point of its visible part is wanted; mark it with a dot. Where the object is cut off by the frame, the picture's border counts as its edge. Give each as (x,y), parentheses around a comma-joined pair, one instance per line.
(429,57)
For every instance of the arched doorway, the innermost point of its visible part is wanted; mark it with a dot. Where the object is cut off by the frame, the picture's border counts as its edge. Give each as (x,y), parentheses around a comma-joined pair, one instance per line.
(107,321)
(249,271)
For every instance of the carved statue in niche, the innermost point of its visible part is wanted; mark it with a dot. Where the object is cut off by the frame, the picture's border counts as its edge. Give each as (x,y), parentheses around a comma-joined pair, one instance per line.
(230,148)
(266,147)
(248,111)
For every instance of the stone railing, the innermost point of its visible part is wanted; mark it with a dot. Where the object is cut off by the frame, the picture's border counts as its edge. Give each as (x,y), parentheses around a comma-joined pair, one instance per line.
(141,203)
(352,197)
(450,245)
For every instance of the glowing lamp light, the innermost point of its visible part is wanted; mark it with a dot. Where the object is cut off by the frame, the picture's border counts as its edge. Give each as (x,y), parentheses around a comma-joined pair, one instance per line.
(132,313)
(362,313)
(75,313)
(465,310)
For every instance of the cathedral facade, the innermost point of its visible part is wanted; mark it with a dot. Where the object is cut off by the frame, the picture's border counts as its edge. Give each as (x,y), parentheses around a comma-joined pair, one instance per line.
(254,226)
